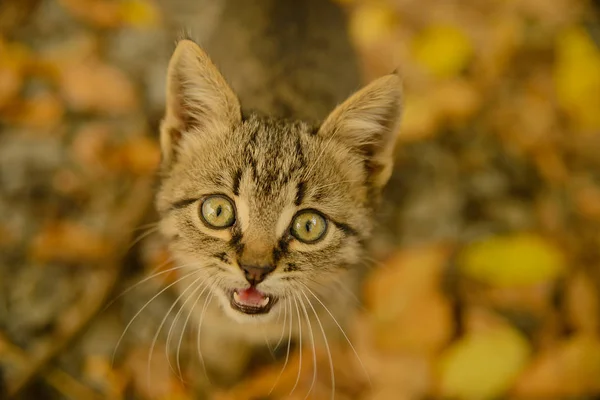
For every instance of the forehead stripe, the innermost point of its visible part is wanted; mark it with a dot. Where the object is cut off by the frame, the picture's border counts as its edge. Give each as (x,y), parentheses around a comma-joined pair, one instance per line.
(300,192)
(182,203)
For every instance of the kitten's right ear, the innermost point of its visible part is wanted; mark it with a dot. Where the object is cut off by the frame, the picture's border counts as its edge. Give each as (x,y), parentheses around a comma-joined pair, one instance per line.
(199,101)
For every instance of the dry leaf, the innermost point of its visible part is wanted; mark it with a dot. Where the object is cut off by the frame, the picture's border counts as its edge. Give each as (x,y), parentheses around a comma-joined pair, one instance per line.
(408,310)
(522,259)
(420,119)
(92,86)
(482,365)
(68,242)
(371,23)
(99,13)
(577,76)
(456,99)
(583,304)
(140,155)
(567,370)
(444,50)
(140,13)
(154,380)
(14,59)
(41,111)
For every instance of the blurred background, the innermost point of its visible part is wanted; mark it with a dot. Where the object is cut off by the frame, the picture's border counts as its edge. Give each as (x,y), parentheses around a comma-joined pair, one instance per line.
(487,284)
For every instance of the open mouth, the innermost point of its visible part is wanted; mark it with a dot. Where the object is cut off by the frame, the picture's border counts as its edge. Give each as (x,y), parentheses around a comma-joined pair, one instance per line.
(251,301)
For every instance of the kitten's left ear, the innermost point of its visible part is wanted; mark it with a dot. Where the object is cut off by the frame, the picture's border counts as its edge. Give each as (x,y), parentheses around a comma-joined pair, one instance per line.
(368,122)
(199,100)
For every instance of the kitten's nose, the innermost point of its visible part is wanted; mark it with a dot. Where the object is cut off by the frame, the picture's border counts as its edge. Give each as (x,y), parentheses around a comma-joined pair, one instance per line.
(256,274)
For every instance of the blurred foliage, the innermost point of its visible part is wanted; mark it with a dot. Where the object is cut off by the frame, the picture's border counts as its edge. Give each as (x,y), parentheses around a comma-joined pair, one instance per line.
(490,287)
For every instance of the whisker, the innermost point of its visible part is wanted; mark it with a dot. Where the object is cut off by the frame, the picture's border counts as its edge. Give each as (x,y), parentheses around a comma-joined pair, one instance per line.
(331,370)
(162,323)
(145,226)
(262,329)
(283,326)
(142,236)
(129,289)
(336,183)
(341,330)
(142,309)
(206,303)
(185,324)
(287,354)
(314,351)
(299,346)
(169,335)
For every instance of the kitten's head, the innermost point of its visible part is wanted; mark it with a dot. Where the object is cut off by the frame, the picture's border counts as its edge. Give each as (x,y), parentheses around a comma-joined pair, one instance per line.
(263,211)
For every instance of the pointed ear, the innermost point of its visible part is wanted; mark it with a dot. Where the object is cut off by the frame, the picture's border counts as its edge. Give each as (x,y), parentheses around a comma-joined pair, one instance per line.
(368,123)
(198,99)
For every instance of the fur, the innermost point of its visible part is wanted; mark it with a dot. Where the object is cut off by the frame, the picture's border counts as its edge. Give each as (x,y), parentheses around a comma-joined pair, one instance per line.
(272,163)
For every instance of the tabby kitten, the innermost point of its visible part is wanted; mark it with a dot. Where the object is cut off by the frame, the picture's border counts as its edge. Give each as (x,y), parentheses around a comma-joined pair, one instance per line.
(270,216)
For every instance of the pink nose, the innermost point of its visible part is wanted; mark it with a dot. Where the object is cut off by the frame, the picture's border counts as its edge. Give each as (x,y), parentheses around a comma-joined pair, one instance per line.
(256,274)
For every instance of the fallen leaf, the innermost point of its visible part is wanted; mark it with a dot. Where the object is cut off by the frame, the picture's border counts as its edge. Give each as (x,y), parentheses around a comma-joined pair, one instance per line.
(139,13)
(372,23)
(583,304)
(444,50)
(42,111)
(407,310)
(14,59)
(521,259)
(482,365)
(577,76)
(140,155)
(456,99)
(92,86)
(153,378)
(91,146)
(420,120)
(99,13)
(569,369)
(68,242)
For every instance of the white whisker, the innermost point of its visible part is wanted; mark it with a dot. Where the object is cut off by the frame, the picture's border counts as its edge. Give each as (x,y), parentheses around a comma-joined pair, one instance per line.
(343,333)
(287,354)
(168,343)
(198,336)
(142,237)
(331,370)
(336,183)
(185,324)
(144,306)
(314,351)
(129,289)
(299,347)
(282,326)
(162,323)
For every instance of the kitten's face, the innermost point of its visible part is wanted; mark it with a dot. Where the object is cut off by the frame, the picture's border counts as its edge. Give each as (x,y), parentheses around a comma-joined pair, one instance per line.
(293,211)
(268,213)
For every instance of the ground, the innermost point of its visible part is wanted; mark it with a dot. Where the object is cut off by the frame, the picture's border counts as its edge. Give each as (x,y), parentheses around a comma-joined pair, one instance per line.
(486,277)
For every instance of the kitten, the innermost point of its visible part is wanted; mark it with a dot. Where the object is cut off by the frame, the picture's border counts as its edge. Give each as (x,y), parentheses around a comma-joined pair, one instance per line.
(268,212)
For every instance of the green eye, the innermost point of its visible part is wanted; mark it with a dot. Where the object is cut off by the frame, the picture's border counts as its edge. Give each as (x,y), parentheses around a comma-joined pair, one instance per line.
(308,226)
(217,212)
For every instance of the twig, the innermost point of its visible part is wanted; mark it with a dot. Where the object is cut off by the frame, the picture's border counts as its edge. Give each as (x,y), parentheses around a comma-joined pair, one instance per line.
(131,213)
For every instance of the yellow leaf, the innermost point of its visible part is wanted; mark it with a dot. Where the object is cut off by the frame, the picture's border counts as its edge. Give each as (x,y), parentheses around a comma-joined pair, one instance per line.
(577,77)
(421,118)
(443,50)
(521,259)
(140,13)
(484,365)
(372,23)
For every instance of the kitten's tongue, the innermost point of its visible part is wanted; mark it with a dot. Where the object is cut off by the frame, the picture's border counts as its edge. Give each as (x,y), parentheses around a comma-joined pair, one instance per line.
(251,297)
